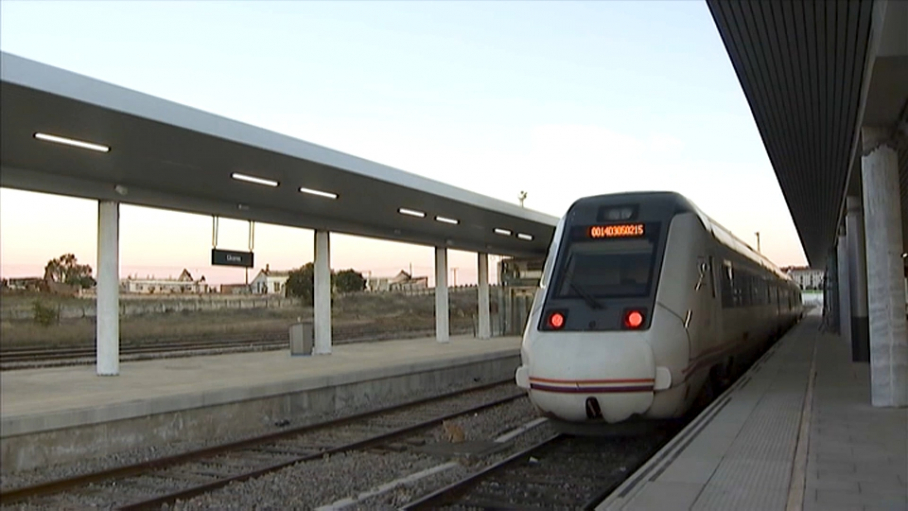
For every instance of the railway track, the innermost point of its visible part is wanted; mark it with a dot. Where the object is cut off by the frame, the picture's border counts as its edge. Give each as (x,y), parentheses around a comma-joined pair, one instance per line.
(561,472)
(47,354)
(27,358)
(151,484)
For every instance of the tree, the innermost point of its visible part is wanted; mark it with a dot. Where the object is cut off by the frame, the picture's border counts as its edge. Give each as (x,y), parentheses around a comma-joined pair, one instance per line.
(301,283)
(349,281)
(66,269)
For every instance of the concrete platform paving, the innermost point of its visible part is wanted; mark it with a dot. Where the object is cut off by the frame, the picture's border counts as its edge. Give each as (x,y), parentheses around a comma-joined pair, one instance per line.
(774,441)
(37,402)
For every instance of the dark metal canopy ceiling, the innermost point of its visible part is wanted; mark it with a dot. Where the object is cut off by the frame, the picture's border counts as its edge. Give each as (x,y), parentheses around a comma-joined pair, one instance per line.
(806,68)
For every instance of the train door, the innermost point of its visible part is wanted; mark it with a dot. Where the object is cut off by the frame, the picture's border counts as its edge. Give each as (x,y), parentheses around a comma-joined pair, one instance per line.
(704,307)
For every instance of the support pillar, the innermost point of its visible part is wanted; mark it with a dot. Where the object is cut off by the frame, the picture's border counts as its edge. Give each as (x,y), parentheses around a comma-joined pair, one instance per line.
(857,280)
(831,308)
(485,330)
(322,294)
(442,332)
(108,289)
(843,258)
(885,270)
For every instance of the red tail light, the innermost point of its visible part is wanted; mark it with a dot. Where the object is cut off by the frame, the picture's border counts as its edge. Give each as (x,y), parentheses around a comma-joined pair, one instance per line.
(556,320)
(633,319)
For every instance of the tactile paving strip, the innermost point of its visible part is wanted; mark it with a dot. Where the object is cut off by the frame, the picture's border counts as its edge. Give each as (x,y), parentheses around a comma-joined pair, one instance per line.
(756,471)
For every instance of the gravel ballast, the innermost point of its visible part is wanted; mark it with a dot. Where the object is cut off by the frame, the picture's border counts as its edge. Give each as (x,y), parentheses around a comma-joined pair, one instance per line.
(50,473)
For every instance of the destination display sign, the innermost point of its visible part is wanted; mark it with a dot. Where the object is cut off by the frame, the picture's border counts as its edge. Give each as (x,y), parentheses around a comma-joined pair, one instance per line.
(231,258)
(616,231)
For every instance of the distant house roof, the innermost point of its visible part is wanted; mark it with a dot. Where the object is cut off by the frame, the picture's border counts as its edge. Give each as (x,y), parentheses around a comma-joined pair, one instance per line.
(266,274)
(401,277)
(185,276)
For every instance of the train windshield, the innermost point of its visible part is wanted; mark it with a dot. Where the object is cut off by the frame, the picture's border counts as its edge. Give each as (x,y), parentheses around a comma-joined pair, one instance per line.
(611,268)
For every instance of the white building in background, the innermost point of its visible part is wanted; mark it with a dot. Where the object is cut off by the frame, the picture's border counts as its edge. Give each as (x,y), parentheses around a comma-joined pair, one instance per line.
(400,282)
(184,284)
(270,282)
(807,278)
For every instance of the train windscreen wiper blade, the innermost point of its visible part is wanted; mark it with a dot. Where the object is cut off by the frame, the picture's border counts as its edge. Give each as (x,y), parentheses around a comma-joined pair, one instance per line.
(586,296)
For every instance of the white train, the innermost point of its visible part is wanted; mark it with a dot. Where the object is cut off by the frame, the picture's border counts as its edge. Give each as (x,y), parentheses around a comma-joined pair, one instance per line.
(644,302)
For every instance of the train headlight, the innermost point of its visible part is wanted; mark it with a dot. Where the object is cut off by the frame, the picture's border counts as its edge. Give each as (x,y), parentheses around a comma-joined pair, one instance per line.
(633,318)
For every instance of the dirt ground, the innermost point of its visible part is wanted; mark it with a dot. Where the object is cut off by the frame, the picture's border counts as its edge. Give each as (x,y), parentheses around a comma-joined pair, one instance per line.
(353,316)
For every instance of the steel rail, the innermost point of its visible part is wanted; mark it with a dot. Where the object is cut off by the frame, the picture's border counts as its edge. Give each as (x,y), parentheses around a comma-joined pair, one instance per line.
(56,486)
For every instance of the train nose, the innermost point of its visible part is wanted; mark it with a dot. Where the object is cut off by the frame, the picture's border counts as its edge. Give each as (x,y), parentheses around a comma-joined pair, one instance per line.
(611,381)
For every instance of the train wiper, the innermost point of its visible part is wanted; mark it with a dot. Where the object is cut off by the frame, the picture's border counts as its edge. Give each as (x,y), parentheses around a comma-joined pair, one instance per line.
(586,296)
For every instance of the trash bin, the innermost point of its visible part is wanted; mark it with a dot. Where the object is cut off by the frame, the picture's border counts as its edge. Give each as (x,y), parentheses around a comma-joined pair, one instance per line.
(301,339)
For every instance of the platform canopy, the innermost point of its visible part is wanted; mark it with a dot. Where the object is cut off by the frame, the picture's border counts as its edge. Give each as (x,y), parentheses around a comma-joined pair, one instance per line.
(166,155)
(814,72)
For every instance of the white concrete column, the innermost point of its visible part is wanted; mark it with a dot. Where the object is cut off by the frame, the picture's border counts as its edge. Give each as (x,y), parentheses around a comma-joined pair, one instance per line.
(322,294)
(442,332)
(485,327)
(108,289)
(885,270)
(844,292)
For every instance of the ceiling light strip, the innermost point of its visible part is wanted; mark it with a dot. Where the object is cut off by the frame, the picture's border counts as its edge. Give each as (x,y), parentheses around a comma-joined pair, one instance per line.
(411,212)
(319,193)
(72,142)
(254,179)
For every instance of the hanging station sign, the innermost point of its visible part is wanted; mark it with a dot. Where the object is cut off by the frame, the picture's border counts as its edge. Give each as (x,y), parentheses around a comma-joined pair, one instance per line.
(231,258)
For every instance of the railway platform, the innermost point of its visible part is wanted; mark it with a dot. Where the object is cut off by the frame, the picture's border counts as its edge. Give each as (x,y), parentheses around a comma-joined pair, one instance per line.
(796,432)
(57,415)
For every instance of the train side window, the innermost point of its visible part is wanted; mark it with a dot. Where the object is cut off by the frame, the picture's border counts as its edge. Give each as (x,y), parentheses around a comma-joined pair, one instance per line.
(727,285)
(742,288)
(712,277)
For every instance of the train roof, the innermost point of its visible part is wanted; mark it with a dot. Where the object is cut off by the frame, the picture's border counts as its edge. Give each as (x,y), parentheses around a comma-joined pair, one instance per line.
(719,232)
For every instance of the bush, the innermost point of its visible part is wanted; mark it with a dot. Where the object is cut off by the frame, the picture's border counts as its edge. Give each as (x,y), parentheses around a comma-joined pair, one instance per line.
(350,281)
(300,283)
(44,315)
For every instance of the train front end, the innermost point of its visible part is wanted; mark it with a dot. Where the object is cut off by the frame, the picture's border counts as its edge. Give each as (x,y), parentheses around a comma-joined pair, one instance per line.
(586,353)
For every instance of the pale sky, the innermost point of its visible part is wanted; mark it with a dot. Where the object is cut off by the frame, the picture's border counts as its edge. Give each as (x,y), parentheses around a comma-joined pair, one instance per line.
(562,99)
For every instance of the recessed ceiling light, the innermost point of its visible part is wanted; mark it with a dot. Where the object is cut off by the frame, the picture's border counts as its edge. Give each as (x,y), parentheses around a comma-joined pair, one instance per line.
(253,179)
(411,212)
(503,232)
(528,237)
(320,193)
(242,207)
(451,221)
(69,141)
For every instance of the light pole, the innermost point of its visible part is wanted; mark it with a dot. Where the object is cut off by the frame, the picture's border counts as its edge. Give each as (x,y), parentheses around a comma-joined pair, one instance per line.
(522,197)
(455,276)
(758,241)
